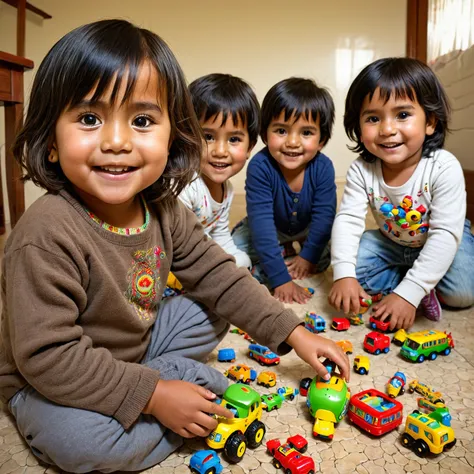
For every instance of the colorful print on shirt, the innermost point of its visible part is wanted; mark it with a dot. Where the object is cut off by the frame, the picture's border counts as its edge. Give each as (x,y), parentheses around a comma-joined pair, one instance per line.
(144,282)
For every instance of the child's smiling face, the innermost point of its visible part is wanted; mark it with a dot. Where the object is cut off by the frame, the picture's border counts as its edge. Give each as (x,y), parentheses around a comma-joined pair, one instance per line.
(110,151)
(394,131)
(293,143)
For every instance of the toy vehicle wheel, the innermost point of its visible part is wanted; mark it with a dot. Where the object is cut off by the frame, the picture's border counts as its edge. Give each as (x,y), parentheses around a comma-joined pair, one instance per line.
(235,447)
(377,352)
(433,356)
(255,433)
(276,464)
(386,350)
(421,448)
(397,342)
(212,470)
(402,391)
(450,445)
(438,400)
(373,326)
(288,471)
(362,371)
(291,397)
(302,450)
(407,440)
(411,390)
(421,358)
(194,471)
(251,355)
(447,351)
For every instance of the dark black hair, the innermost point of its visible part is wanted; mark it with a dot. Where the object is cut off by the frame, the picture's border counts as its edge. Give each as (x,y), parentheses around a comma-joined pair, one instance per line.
(404,77)
(222,93)
(95,56)
(298,96)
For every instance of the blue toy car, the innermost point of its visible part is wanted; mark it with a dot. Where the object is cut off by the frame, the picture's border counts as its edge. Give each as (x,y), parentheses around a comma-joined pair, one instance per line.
(314,322)
(226,355)
(205,462)
(263,355)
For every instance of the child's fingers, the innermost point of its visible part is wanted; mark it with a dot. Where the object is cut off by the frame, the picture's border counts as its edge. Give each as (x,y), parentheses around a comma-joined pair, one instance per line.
(378,310)
(346,305)
(205,393)
(218,410)
(355,303)
(385,315)
(363,294)
(198,430)
(320,369)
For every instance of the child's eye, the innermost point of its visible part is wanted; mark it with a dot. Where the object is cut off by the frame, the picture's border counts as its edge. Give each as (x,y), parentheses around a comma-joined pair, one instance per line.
(307,133)
(403,115)
(142,121)
(208,137)
(235,139)
(89,120)
(280,131)
(372,119)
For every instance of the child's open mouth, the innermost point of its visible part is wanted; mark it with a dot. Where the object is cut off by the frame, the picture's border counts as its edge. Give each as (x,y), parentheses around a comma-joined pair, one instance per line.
(219,166)
(390,146)
(291,154)
(115,170)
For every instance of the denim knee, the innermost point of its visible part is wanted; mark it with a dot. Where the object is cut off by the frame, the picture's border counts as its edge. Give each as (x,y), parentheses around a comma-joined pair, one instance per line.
(462,298)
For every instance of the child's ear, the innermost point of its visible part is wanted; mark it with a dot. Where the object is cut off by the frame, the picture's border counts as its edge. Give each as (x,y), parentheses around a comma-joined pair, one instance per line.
(431,123)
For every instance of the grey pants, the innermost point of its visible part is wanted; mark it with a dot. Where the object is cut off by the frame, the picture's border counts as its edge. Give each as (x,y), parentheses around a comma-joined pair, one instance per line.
(80,441)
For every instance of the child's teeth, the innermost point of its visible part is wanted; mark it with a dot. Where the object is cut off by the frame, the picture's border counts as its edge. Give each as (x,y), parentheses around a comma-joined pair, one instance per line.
(115,169)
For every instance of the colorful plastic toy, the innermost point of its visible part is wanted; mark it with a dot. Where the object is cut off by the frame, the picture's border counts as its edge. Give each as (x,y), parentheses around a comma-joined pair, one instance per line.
(244,429)
(376,342)
(309,290)
(241,373)
(423,345)
(247,337)
(267,379)
(346,346)
(237,331)
(314,322)
(396,385)
(304,386)
(272,401)
(365,304)
(289,456)
(263,355)
(374,412)
(425,434)
(288,392)
(327,402)
(361,364)
(226,355)
(429,406)
(377,323)
(399,337)
(340,324)
(426,391)
(205,461)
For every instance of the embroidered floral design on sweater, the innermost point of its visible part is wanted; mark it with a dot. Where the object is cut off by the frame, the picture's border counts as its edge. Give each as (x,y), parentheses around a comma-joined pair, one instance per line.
(144,282)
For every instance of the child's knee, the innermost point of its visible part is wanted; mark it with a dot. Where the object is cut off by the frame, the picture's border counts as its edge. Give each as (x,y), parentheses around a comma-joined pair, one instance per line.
(459,298)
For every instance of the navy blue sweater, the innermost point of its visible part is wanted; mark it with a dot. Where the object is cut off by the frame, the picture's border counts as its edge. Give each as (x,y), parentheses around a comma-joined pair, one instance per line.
(272,206)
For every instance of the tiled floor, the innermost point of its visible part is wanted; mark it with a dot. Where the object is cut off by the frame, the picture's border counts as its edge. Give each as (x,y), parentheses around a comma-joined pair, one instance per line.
(351,451)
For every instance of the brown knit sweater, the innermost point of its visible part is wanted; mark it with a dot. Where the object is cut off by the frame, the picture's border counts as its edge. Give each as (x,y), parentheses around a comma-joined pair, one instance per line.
(79,303)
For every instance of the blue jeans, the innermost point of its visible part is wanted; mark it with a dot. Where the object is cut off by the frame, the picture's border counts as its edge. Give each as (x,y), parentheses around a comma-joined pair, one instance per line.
(382,264)
(243,241)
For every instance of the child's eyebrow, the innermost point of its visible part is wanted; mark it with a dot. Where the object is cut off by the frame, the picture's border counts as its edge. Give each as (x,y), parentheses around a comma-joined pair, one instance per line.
(141,105)
(397,108)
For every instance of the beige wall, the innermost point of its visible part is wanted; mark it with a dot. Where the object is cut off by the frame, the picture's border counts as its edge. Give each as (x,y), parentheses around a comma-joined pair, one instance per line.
(262,41)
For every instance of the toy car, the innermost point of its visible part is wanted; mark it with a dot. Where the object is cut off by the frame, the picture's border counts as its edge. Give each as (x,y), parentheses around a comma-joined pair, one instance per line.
(247,337)
(205,461)
(377,323)
(272,401)
(327,402)
(396,385)
(304,386)
(361,364)
(376,342)
(263,355)
(357,319)
(340,324)
(426,391)
(237,331)
(289,457)
(425,434)
(346,346)
(288,392)
(423,345)
(241,373)
(314,322)
(399,337)
(267,379)
(374,412)
(244,429)
(226,355)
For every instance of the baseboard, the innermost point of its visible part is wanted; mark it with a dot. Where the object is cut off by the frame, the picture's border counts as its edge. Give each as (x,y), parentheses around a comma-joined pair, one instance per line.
(469,177)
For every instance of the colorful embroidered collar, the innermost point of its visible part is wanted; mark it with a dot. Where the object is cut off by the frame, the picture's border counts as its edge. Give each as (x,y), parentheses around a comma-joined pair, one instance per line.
(122,230)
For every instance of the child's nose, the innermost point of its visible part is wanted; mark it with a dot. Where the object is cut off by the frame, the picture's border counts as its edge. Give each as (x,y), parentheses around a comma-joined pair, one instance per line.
(220,148)
(387,128)
(293,140)
(116,138)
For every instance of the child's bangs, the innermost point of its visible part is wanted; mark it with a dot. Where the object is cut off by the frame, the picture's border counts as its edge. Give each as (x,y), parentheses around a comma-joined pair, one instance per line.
(310,114)
(396,86)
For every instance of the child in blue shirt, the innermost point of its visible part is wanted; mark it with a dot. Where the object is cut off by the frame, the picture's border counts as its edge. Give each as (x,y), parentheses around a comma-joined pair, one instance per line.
(290,189)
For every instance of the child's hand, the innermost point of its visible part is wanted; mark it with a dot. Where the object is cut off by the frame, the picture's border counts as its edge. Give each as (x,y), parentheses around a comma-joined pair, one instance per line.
(300,268)
(184,408)
(291,292)
(401,312)
(346,293)
(310,347)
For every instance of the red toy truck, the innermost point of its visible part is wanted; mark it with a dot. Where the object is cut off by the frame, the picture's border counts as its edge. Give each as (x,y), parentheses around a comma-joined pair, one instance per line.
(376,323)
(288,456)
(341,324)
(376,342)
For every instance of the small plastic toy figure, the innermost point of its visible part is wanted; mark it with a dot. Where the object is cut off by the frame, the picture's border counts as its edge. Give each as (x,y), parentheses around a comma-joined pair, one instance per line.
(205,461)
(361,364)
(272,401)
(376,342)
(314,322)
(340,324)
(226,355)
(327,402)
(288,392)
(423,345)
(241,373)
(289,456)
(396,385)
(346,346)
(365,304)
(245,429)
(304,386)
(267,379)
(426,391)
(263,355)
(425,434)
(399,337)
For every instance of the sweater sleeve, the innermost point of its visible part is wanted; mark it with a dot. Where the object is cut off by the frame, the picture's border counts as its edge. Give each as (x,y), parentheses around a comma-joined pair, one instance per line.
(349,225)
(447,215)
(45,297)
(323,213)
(259,196)
(211,277)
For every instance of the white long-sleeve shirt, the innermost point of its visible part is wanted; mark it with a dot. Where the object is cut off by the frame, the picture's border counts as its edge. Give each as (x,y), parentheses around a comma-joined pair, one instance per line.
(434,203)
(214,216)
